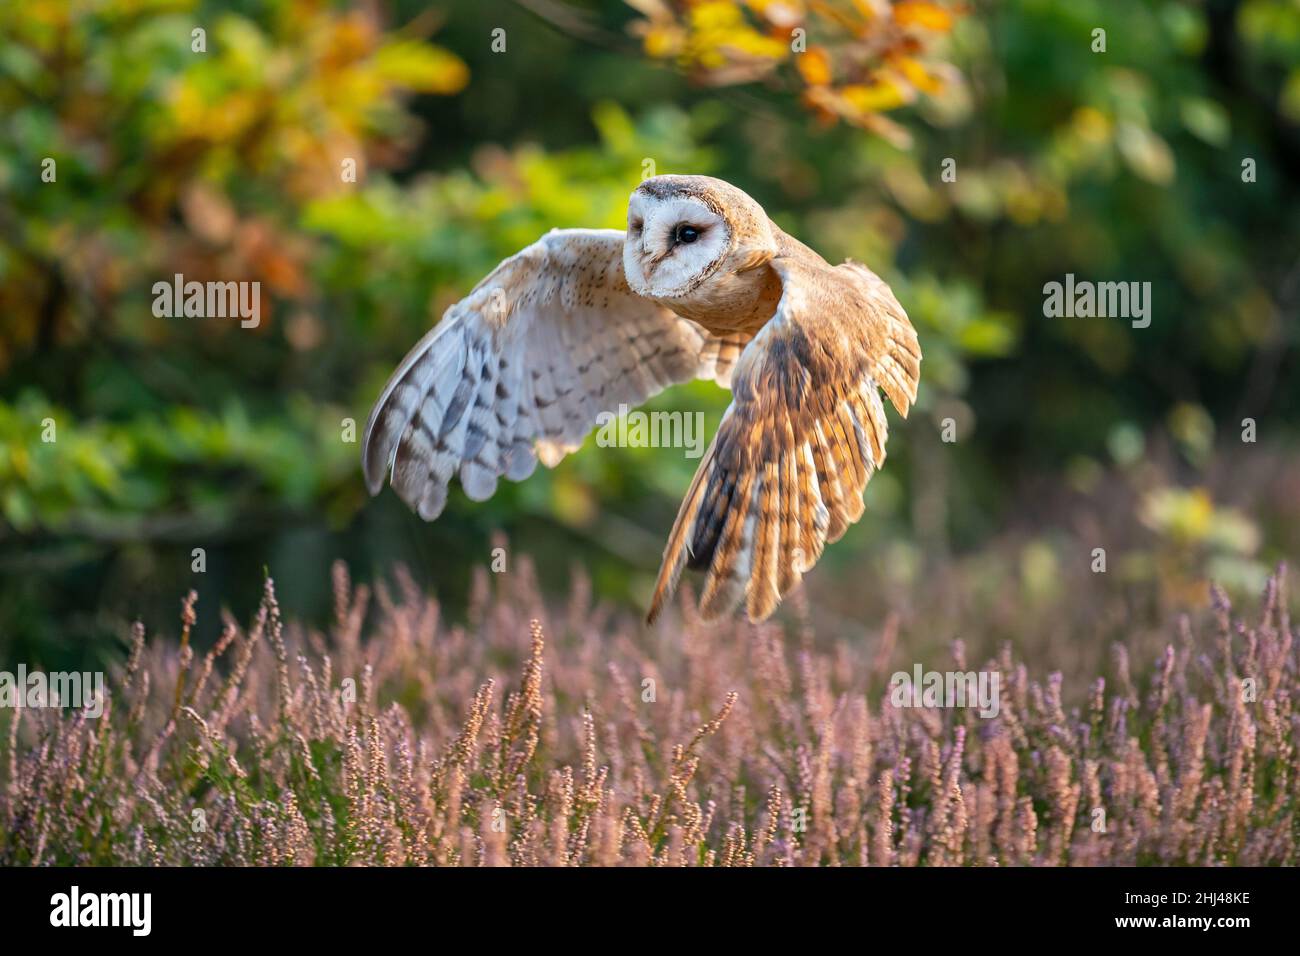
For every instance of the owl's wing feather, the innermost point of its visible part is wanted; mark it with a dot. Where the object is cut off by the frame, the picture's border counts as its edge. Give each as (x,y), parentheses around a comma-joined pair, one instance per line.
(806,429)
(521,367)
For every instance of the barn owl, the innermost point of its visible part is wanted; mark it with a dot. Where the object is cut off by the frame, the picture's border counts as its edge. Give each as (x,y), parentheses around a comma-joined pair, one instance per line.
(701,285)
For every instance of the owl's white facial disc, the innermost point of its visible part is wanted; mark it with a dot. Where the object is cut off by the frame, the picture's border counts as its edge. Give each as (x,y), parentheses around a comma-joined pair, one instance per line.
(673,244)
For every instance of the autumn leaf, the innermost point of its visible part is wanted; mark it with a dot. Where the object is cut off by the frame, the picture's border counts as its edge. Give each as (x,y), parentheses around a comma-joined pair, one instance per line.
(867,59)
(917,74)
(421,67)
(815,66)
(922,13)
(884,94)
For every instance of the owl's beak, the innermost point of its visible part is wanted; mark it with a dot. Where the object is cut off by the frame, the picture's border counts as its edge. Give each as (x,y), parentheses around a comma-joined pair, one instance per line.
(649,263)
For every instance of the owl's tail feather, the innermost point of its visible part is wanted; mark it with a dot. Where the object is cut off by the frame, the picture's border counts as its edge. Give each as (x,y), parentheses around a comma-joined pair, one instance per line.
(772,490)
(677,551)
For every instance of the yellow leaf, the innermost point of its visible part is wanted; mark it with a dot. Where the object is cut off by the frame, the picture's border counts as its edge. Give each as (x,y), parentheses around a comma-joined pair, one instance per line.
(663,41)
(1091,124)
(421,67)
(715,14)
(916,74)
(753,43)
(873,97)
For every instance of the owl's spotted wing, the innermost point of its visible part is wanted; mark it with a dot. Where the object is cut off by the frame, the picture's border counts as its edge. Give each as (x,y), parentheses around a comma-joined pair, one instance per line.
(806,428)
(521,368)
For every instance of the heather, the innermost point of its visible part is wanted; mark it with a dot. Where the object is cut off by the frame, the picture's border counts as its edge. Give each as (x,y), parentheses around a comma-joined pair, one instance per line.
(542,734)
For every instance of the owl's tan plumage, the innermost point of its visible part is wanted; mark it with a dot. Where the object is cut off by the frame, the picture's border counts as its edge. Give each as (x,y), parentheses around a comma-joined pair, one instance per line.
(584,321)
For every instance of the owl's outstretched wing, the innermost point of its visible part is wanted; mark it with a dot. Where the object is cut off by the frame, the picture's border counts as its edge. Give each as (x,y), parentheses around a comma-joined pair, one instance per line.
(522,366)
(806,428)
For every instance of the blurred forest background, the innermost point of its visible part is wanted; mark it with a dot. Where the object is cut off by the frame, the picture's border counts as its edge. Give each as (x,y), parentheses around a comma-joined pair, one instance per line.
(1171,157)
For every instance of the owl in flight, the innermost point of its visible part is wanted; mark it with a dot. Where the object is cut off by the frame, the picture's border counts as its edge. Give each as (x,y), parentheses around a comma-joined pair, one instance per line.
(701,285)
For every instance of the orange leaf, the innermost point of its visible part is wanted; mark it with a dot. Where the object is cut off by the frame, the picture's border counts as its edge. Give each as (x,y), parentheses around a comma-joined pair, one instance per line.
(922,13)
(814,66)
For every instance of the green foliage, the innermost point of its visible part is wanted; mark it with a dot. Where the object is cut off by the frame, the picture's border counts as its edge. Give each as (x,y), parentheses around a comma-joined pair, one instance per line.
(120,479)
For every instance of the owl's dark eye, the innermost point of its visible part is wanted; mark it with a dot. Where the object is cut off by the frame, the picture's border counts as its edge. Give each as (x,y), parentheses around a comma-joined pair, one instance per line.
(636,225)
(687,233)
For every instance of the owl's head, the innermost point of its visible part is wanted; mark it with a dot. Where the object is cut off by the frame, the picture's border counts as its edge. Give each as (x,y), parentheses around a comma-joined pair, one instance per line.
(683,229)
